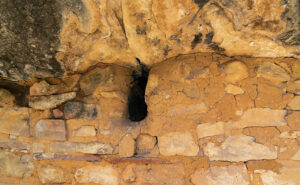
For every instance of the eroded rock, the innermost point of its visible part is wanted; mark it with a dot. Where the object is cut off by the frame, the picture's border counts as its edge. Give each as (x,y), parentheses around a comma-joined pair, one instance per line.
(177,143)
(52,101)
(89,148)
(51,174)
(52,129)
(225,175)
(239,148)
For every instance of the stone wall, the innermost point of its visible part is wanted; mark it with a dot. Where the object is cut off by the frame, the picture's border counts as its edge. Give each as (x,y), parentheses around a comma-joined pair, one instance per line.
(211,119)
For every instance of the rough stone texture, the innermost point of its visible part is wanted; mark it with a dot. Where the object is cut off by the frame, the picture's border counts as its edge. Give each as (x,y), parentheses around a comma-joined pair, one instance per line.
(295,103)
(38,148)
(89,148)
(52,101)
(268,136)
(235,90)
(105,175)
(14,121)
(272,71)
(293,120)
(15,145)
(262,117)
(225,175)
(286,176)
(210,129)
(81,110)
(15,166)
(177,143)
(145,143)
(51,174)
(127,146)
(239,148)
(84,131)
(155,174)
(235,71)
(29,38)
(6,98)
(66,84)
(52,129)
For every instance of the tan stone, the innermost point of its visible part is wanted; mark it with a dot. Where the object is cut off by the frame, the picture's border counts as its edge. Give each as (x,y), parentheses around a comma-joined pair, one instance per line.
(105,175)
(287,148)
(145,143)
(285,176)
(66,84)
(225,175)
(272,71)
(14,121)
(177,143)
(293,120)
(268,136)
(15,166)
(127,146)
(295,103)
(155,174)
(235,71)
(269,97)
(52,129)
(273,165)
(57,113)
(244,102)
(210,129)
(89,148)
(38,148)
(51,174)
(294,87)
(84,131)
(14,145)
(52,101)
(226,108)
(6,98)
(239,148)
(233,89)
(262,117)
(296,70)
(187,109)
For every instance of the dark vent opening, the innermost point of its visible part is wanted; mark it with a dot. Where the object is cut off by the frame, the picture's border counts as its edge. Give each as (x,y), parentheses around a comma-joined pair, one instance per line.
(137,107)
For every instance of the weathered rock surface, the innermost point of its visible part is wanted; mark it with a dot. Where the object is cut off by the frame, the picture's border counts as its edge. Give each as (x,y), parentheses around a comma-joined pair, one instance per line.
(235,71)
(52,129)
(177,143)
(81,34)
(81,110)
(293,120)
(155,174)
(14,145)
(51,174)
(66,84)
(105,175)
(84,131)
(261,117)
(14,165)
(235,90)
(52,101)
(89,148)
(127,146)
(239,148)
(6,98)
(287,175)
(272,71)
(210,129)
(294,103)
(225,175)
(14,121)
(145,143)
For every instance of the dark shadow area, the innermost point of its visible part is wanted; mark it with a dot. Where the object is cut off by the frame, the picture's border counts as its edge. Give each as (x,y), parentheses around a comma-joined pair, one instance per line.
(137,107)
(20,92)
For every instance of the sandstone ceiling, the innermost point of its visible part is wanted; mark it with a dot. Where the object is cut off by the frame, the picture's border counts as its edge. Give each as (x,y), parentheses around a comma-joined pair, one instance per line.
(51,38)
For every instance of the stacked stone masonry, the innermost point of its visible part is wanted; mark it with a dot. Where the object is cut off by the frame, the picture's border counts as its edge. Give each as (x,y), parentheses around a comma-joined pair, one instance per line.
(212,120)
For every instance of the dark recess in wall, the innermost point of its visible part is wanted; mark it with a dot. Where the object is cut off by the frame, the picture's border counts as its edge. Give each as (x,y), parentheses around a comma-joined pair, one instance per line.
(137,107)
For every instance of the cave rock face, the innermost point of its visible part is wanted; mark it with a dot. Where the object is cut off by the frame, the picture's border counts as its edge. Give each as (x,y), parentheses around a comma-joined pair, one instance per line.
(46,39)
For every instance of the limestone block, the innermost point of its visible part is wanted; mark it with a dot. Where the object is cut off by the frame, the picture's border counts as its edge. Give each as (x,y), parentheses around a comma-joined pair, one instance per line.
(52,129)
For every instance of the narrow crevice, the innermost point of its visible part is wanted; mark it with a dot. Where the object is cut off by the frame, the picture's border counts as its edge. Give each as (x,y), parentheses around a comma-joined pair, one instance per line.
(137,107)
(19,91)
